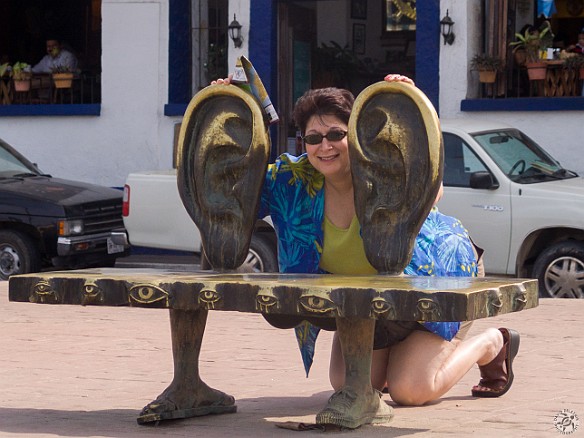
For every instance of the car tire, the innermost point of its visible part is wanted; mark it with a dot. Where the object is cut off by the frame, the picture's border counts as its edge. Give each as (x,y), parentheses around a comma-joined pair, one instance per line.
(261,257)
(560,271)
(18,254)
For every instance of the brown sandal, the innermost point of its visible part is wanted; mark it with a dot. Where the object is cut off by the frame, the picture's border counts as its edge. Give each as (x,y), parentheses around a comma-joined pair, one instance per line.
(495,380)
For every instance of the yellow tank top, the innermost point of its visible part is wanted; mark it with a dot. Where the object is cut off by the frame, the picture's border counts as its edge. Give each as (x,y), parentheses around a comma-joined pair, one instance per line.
(343,251)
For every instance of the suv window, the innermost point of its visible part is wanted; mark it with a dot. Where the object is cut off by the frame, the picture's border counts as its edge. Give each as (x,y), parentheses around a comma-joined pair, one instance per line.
(459,162)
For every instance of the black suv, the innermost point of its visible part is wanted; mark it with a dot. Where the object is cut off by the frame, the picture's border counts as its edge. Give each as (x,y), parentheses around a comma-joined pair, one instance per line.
(48,222)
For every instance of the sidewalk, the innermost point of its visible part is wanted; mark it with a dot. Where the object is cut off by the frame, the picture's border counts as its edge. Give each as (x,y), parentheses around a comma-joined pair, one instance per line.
(87,371)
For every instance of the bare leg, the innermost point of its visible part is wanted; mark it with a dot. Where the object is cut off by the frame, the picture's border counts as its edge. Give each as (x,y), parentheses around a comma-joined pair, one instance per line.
(357,403)
(424,366)
(187,395)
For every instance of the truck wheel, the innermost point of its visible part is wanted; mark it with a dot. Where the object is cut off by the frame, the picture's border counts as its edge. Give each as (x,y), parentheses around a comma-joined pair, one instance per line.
(261,256)
(560,271)
(18,254)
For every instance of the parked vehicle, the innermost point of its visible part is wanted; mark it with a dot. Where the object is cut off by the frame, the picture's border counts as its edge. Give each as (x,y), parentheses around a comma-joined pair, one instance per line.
(156,218)
(518,203)
(48,222)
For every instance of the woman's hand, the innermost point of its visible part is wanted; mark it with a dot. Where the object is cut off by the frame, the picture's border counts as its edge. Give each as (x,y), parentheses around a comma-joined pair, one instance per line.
(225,81)
(392,77)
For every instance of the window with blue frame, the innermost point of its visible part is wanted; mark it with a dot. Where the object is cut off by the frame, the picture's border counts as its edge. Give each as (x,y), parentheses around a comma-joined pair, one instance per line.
(28,29)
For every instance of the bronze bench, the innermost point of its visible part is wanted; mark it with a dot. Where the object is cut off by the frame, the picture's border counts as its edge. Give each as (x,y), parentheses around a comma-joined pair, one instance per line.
(355,302)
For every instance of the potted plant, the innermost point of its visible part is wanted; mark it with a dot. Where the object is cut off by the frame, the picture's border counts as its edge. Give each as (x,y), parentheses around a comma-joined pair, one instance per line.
(487,66)
(334,66)
(575,62)
(531,43)
(62,76)
(21,75)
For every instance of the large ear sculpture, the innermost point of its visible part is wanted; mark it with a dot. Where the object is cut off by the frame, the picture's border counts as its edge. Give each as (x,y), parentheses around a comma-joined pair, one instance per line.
(223,153)
(396,151)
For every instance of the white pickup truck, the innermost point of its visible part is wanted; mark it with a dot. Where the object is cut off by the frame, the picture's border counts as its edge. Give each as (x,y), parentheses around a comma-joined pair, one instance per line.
(155,213)
(517,202)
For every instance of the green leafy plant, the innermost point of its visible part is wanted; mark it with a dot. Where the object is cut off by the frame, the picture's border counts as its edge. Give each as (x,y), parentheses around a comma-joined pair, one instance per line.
(486,62)
(4,69)
(21,71)
(532,42)
(575,62)
(334,65)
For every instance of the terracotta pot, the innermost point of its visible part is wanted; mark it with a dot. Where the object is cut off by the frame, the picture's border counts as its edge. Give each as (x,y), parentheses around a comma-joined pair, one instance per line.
(487,76)
(63,80)
(22,85)
(536,71)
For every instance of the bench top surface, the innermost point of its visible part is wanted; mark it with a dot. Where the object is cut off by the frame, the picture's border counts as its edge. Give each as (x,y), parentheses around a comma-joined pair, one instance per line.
(371,296)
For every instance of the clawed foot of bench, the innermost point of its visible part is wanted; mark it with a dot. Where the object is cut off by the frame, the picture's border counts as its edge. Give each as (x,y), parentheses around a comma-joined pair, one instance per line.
(348,409)
(172,405)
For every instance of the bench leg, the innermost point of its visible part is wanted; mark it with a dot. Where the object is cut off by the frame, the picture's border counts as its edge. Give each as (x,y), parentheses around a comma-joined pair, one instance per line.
(357,403)
(187,395)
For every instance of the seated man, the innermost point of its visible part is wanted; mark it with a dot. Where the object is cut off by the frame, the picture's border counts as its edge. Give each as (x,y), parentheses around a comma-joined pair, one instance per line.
(56,57)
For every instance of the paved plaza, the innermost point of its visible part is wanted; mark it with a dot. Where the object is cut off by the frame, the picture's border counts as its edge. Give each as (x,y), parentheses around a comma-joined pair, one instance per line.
(75,371)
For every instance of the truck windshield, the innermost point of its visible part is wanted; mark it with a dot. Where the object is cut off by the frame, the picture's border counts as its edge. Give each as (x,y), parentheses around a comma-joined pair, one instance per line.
(10,165)
(523,160)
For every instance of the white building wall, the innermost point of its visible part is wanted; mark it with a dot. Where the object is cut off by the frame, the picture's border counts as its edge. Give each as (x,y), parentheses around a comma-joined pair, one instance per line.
(132,132)
(561,133)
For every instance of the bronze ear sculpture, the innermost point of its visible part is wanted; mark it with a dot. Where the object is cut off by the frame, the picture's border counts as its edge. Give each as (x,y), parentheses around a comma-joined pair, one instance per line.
(223,154)
(396,151)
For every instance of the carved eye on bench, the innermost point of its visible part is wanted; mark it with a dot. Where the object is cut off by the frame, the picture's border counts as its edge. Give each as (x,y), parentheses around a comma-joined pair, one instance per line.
(381,307)
(92,294)
(317,303)
(148,294)
(430,309)
(209,297)
(43,292)
(265,300)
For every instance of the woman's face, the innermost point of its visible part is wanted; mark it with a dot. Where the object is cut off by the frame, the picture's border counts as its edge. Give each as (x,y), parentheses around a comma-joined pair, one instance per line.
(329,157)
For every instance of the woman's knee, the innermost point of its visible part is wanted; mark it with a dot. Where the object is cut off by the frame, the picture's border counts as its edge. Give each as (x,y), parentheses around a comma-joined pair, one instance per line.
(407,395)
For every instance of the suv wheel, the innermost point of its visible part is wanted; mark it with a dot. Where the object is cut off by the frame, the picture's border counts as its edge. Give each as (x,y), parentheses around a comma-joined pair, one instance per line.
(18,254)
(560,271)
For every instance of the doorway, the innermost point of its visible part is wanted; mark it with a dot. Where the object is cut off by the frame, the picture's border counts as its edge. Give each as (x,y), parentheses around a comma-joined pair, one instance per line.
(342,43)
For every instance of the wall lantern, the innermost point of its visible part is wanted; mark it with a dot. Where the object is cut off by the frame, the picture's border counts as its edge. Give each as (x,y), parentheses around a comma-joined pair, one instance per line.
(235,32)
(446,26)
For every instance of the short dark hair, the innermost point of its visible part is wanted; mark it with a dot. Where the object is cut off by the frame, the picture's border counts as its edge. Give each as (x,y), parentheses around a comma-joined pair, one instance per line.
(323,101)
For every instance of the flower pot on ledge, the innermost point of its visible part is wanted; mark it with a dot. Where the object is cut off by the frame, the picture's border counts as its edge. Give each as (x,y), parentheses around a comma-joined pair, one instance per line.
(63,80)
(487,76)
(22,85)
(536,71)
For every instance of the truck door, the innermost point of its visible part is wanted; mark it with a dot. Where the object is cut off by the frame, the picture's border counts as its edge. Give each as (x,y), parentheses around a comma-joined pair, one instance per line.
(486,214)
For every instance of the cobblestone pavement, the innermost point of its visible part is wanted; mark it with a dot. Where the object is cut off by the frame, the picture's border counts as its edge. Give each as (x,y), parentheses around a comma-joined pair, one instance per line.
(87,371)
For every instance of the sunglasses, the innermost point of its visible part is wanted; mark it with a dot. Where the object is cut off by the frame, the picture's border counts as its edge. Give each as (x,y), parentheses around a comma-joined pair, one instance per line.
(334,135)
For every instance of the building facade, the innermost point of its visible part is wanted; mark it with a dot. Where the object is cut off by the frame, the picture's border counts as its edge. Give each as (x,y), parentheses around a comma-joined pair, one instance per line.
(155,54)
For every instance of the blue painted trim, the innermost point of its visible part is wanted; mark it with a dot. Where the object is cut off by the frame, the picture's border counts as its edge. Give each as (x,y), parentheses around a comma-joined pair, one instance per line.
(263,47)
(428,42)
(524,104)
(175,109)
(179,51)
(85,109)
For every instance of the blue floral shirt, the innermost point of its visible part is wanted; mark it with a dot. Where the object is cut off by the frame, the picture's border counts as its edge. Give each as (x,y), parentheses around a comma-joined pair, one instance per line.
(293,195)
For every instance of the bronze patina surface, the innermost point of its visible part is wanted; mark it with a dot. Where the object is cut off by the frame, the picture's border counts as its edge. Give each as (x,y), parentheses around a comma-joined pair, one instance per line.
(396,151)
(405,298)
(223,152)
